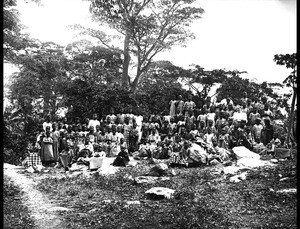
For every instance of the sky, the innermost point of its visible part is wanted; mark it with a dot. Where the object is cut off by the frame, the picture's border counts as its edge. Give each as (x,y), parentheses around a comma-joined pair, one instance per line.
(239,35)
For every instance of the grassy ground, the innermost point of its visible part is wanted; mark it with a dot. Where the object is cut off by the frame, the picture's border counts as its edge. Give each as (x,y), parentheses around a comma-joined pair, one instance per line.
(203,199)
(15,214)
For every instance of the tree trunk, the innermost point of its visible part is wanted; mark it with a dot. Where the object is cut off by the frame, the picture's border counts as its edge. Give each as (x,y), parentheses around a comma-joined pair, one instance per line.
(136,79)
(126,61)
(291,116)
(46,107)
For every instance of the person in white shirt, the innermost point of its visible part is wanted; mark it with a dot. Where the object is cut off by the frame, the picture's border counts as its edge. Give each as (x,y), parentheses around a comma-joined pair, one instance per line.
(239,115)
(94,122)
(47,123)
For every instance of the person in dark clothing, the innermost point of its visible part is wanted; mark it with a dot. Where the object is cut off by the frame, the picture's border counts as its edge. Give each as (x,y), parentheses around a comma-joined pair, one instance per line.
(123,158)
(267,132)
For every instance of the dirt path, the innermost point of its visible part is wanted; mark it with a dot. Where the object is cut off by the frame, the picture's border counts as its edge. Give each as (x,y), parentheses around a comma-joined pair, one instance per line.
(43,211)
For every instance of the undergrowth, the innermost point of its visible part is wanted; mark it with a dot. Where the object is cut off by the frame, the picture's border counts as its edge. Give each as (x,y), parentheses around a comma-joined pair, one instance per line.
(15,214)
(202,199)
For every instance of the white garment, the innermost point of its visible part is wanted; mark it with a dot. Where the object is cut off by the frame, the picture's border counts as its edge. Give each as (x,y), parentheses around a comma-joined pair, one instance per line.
(93,123)
(224,102)
(167,118)
(89,147)
(238,116)
(45,124)
(139,120)
(119,136)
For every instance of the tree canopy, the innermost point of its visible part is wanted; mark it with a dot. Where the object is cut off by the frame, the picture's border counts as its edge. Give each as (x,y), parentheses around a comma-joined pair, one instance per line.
(147,27)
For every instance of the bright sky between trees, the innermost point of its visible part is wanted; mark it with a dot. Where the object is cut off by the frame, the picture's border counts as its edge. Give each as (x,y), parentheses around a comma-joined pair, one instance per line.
(239,35)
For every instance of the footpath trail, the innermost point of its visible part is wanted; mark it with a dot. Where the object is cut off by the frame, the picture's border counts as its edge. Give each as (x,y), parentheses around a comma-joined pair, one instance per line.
(43,211)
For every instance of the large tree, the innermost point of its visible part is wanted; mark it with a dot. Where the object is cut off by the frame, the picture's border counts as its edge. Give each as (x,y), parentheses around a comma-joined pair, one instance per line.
(290,62)
(42,72)
(160,85)
(147,27)
(93,63)
(14,40)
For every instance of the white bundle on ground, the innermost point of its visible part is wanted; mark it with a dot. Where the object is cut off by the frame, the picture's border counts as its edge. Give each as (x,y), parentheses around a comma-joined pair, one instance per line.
(243,152)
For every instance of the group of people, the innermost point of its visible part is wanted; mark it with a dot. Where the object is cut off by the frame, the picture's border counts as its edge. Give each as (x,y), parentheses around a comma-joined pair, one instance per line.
(216,127)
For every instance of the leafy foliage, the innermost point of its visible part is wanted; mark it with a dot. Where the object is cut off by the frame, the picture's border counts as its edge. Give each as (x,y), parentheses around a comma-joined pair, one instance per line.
(290,61)
(14,40)
(148,27)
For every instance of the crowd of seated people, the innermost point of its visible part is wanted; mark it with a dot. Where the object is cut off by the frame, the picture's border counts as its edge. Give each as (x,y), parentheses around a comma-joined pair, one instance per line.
(217,127)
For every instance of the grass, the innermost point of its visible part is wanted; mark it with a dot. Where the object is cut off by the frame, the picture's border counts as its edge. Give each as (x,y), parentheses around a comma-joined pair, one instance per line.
(15,214)
(202,199)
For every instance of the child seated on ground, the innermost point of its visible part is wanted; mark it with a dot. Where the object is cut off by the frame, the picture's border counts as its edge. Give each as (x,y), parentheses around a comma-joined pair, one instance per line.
(223,154)
(85,150)
(66,157)
(123,157)
(180,158)
(33,158)
(275,142)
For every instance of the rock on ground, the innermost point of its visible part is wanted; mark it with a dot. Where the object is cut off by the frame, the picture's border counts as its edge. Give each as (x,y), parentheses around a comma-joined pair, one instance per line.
(160,192)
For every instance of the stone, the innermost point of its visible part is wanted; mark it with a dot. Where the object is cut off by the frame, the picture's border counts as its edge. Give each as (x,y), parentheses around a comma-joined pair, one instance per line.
(160,193)
(149,179)
(252,162)
(274,160)
(133,202)
(289,190)
(281,159)
(238,178)
(132,163)
(107,201)
(285,178)
(243,176)
(234,179)
(243,152)
(58,209)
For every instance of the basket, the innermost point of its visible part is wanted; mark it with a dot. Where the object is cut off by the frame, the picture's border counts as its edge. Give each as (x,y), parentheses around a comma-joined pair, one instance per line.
(96,162)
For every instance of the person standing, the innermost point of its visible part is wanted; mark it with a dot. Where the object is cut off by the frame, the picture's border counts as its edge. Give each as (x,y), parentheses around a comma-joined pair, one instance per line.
(47,152)
(189,107)
(180,105)
(93,122)
(173,107)
(47,122)
(55,134)
(267,132)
